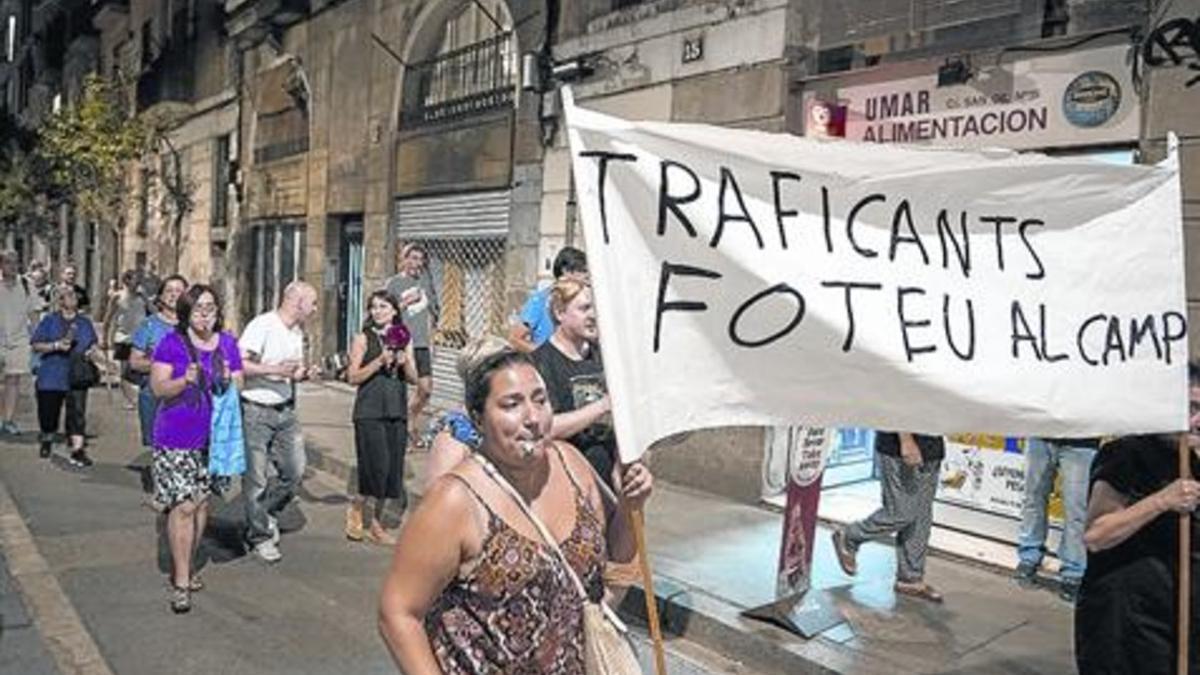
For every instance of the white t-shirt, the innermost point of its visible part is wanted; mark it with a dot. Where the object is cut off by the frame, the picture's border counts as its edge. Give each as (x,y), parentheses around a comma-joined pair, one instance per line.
(15,308)
(273,343)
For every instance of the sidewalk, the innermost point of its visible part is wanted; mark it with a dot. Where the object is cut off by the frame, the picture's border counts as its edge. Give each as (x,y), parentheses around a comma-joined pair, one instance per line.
(22,647)
(714,558)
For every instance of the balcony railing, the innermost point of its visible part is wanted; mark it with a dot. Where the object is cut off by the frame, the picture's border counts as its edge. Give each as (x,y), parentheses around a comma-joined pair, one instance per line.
(464,82)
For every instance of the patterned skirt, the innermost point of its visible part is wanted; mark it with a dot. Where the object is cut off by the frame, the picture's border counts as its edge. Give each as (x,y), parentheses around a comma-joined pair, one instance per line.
(181,475)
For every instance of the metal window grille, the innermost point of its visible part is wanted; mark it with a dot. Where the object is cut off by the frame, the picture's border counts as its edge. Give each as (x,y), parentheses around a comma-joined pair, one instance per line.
(468,277)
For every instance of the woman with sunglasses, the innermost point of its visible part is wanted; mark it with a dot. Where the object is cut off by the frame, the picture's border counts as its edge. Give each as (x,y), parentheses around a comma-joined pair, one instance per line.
(191,365)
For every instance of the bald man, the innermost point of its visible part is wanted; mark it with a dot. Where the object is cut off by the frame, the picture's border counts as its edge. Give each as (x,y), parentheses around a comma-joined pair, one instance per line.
(272,348)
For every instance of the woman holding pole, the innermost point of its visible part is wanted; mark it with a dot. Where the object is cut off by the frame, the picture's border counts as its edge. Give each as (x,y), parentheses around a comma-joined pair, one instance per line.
(1126,616)
(473,556)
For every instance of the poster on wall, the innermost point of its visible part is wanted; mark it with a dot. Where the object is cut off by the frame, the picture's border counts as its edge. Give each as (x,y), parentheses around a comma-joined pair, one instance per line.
(984,472)
(987,473)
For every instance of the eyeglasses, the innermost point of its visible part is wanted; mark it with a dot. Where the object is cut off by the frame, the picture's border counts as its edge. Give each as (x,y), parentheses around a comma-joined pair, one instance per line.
(205,308)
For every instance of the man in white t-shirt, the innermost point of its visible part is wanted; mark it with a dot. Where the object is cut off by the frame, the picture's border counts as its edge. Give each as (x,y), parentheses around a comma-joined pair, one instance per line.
(18,309)
(272,348)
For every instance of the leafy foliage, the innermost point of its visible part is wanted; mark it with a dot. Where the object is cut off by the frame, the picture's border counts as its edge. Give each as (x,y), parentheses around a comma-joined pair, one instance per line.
(26,190)
(80,157)
(87,148)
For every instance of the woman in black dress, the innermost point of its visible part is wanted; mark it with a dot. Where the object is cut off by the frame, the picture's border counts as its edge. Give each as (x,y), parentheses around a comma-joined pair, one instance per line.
(381,362)
(1125,618)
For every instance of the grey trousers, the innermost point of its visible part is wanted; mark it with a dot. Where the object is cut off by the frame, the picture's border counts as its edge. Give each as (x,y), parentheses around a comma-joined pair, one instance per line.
(907,512)
(273,437)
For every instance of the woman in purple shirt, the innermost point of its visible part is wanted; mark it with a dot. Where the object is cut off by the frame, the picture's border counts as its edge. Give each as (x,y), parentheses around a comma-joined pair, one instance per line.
(189,366)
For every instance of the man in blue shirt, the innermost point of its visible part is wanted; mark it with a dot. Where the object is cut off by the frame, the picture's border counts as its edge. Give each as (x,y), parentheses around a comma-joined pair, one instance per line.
(535,324)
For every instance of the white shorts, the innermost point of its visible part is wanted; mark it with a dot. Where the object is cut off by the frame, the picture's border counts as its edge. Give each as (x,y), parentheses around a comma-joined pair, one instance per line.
(14,359)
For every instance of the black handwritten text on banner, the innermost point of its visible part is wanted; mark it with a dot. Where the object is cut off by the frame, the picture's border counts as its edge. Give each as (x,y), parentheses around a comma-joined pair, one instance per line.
(752,278)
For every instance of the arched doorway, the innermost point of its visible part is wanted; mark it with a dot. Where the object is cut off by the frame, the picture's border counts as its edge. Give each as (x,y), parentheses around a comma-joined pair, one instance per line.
(455,124)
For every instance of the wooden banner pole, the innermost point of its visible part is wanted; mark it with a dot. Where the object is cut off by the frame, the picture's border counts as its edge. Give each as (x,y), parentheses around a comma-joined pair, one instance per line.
(1185,566)
(637,520)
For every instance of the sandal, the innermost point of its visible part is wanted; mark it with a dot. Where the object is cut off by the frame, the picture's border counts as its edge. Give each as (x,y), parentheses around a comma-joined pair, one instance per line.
(181,600)
(919,590)
(380,537)
(845,554)
(195,584)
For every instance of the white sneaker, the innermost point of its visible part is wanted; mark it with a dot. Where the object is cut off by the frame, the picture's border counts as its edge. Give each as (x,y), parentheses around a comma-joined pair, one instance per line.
(268,552)
(273,526)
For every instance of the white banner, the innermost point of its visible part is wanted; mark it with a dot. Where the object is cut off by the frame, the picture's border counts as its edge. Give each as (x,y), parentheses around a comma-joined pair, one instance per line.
(748,278)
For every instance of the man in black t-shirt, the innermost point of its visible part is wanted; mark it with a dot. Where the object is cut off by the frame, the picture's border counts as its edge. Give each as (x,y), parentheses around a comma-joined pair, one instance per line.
(571,366)
(908,466)
(578,386)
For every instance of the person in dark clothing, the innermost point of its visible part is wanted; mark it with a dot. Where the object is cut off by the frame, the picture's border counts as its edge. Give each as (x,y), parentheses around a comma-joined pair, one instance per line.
(380,367)
(909,465)
(1125,617)
(573,370)
(70,274)
(59,337)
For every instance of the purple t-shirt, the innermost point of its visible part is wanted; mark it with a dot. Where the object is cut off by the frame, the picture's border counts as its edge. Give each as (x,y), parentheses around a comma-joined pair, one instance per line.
(183,422)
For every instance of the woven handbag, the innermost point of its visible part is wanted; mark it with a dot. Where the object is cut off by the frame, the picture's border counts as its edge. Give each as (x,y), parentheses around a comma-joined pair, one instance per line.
(606,646)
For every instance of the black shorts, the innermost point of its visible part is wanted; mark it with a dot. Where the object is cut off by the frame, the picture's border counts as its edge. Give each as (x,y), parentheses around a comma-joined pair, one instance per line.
(424,361)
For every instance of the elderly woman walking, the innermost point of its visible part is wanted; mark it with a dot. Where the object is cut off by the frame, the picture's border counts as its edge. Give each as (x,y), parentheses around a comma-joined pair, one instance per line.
(474,587)
(64,338)
(191,366)
(381,364)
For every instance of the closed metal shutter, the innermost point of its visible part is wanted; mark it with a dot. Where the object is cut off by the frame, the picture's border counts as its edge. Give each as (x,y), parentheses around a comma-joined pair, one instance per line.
(471,215)
(465,236)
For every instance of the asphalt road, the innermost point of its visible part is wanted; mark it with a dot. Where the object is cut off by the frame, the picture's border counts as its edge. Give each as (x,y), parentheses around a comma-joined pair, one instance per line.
(314,612)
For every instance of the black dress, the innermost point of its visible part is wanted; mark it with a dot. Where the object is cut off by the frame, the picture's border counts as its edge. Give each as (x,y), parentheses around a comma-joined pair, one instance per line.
(381,428)
(1125,619)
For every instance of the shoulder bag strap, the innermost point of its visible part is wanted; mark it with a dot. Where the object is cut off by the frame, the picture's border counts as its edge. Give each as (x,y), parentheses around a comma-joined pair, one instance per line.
(606,493)
(495,475)
(544,531)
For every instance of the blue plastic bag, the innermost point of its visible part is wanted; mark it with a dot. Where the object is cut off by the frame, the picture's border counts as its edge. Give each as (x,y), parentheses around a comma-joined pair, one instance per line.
(226,440)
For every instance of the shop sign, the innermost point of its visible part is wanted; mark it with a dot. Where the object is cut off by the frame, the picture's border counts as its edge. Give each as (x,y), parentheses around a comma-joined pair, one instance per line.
(808,451)
(1076,98)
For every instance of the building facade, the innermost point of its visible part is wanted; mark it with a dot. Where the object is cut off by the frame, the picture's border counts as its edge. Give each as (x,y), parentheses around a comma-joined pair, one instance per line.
(48,50)
(314,137)
(174,66)
(371,124)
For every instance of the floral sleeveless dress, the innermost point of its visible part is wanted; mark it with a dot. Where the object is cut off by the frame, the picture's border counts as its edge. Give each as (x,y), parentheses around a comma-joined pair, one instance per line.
(516,610)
